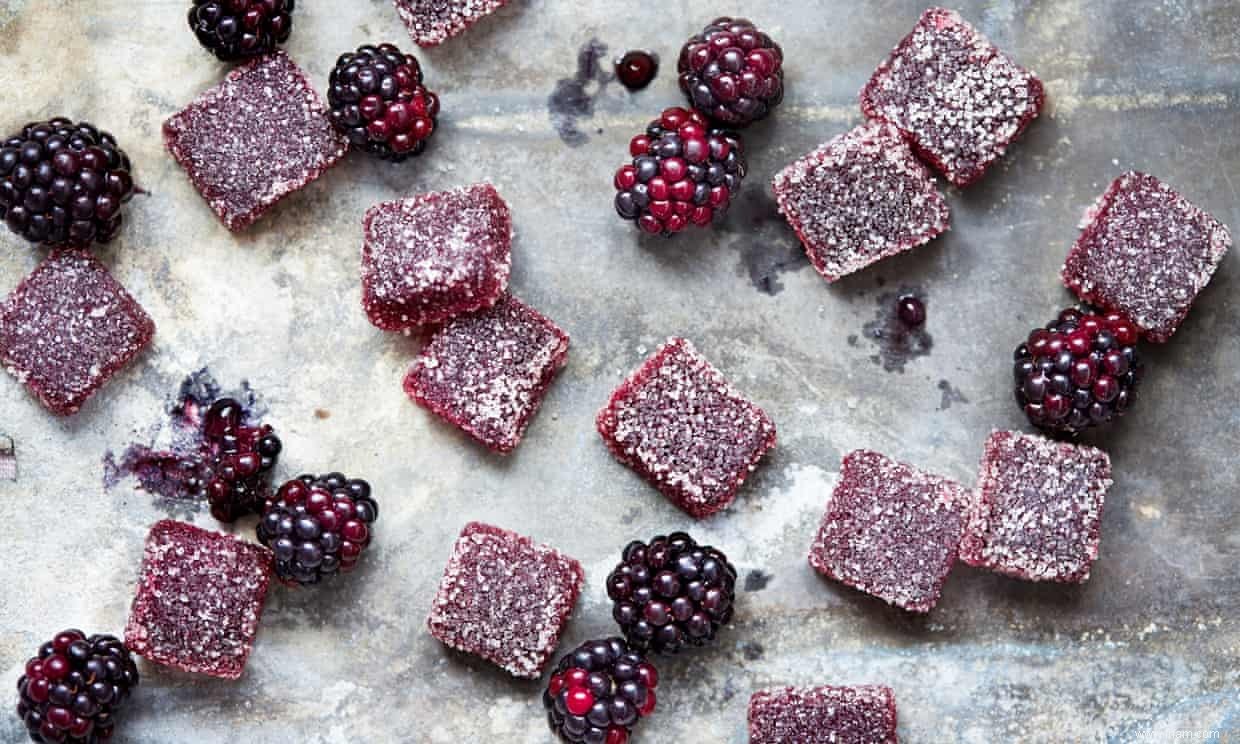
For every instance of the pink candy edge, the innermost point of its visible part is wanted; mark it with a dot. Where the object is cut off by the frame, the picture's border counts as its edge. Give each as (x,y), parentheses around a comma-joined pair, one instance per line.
(605,422)
(777,692)
(434,39)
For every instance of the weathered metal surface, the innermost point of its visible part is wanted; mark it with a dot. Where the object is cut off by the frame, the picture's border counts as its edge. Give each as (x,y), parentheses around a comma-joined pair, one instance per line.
(1146,651)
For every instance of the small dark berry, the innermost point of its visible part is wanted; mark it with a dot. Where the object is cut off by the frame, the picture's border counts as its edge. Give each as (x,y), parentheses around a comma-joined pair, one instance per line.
(238,29)
(599,691)
(71,690)
(379,103)
(732,73)
(637,69)
(318,526)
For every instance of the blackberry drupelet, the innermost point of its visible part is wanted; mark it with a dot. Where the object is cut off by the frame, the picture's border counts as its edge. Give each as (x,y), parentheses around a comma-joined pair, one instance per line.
(1081,371)
(732,72)
(71,690)
(237,458)
(237,29)
(671,593)
(63,183)
(683,172)
(318,526)
(599,691)
(378,101)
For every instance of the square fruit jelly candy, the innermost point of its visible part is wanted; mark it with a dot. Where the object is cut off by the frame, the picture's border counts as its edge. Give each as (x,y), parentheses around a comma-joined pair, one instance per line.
(199,600)
(1037,509)
(890,530)
(505,599)
(865,714)
(860,198)
(487,372)
(432,22)
(1147,252)
(959,100)
(434,256)
(681,425)
(255,138)
(68,328)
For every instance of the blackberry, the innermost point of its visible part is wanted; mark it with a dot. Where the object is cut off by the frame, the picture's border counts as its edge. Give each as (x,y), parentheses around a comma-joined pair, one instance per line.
(318,526)
(63,183)
(73,687)
(378,101)
(637,69)
(683,172)
(671,593)
(599,691)
(732,72)
(237,29)
(1081,371)
(235,463)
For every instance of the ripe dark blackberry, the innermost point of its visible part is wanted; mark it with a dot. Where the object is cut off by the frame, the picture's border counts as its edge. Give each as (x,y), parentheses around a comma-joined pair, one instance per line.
(378,101)
(671,593)
(237,29)
(63,183)
(1081,371)
(683,172)
(234,466)
(732,72)
(599,691)
(73,687)
(318,526)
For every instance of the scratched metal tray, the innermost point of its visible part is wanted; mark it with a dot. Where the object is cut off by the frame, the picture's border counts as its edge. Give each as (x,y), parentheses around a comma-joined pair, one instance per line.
(1148,650)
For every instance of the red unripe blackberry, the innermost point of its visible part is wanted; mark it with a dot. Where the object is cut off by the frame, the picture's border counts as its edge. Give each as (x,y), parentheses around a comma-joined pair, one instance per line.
(732,72)
(378,101)
(599,691)
(63,183)
(671,593)
(237,29)
(682,172)
(71,690)
(318,526)
(1081,371)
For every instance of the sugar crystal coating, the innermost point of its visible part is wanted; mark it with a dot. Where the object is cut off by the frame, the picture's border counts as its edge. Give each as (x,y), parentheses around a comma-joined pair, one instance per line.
(1147,252)
(1037,509)
(432,22)
(860,198)
(487,372)
(865,714)
(890,530)
(679,423)
(958,99)
(68,328)
(200,597)
(505,599)
(431,257)
(255,138)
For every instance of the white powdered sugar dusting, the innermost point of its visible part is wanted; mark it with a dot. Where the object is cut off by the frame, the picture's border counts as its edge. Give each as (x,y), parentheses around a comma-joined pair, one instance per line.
(432,22)
(865,714)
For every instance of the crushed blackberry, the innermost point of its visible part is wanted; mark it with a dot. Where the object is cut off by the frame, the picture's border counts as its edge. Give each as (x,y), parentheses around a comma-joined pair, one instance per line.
(63,183)
(911,311)
(379,103)
(238,29)
(637,69)
(732,72)
(683,172)
(318,526)
(71,690)
(1081,371)
(671,592)
(599,692)
(233,467)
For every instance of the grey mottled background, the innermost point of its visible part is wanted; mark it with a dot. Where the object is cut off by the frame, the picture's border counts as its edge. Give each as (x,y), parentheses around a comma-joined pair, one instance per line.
(1145,652)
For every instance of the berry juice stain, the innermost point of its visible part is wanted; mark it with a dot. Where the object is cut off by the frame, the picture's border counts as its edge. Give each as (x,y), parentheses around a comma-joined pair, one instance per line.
(899,339)
(767,252)
(573,98)
(164,471)
(637,69)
